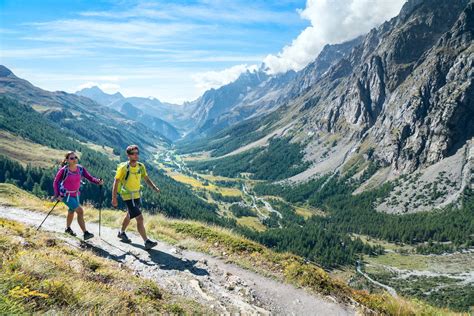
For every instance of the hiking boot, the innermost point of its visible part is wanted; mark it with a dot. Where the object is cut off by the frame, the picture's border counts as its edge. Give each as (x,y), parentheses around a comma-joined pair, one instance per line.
(88,235)
(150,244)
(70,232)
(123,237)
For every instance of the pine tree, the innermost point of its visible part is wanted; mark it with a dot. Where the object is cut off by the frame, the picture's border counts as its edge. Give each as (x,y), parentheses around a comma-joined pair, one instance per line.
(6,177)
(29,183)
(37,190)
(44,184)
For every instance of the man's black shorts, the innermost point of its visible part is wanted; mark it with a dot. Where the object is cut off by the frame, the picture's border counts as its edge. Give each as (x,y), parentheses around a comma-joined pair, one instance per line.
(133,210)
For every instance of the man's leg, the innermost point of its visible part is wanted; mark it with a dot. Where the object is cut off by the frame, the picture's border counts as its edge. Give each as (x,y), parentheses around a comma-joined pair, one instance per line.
(80,218)
(125,222)
(141,227)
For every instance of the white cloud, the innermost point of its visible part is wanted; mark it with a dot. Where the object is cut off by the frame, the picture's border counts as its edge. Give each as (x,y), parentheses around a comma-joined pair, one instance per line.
(134,33)
(228,11)
(331,22)
(51,52)
(107,87)
(214,79)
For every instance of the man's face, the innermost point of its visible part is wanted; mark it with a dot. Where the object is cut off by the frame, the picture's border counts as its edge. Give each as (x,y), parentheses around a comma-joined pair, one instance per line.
(133,155)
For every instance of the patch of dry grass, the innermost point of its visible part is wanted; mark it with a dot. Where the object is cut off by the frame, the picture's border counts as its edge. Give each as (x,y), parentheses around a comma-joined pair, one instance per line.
(308,211)
(109,151)
(40,273)
(251,222)
(27,152)
(197,184)
(196,156)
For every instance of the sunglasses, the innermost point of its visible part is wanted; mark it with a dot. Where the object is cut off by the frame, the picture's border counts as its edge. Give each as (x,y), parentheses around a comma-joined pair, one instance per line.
(133,153)
(72,158)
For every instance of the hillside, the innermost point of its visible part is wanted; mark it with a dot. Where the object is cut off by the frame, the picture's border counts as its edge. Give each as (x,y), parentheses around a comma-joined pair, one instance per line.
(186,238)
(83,118)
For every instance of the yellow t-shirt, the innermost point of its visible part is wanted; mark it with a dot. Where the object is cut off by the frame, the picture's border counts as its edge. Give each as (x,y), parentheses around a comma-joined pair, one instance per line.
(133,183)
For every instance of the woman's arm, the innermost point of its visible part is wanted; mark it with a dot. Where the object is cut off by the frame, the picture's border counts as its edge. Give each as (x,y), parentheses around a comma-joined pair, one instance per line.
(88,176)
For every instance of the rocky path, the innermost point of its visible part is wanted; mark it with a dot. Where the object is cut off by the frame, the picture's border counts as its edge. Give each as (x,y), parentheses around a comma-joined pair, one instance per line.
(225,288)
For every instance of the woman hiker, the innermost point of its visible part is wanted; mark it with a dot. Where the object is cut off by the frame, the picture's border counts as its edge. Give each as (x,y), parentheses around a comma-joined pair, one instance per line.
(66,189)
(128,183)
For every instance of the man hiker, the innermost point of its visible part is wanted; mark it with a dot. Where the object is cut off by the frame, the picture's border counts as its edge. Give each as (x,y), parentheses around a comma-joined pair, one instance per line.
(67,183)
(128,183)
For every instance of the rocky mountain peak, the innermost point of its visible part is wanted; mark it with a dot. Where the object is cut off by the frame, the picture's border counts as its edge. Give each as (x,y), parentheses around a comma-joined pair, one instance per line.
(5,72)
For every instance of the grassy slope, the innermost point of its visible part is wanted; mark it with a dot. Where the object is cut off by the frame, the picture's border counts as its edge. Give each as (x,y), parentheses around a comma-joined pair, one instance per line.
(39,273)
(27,152)
(248,254)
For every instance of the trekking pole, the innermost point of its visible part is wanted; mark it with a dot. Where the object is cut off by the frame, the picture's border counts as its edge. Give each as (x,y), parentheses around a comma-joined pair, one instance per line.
(47,215)
(100,206)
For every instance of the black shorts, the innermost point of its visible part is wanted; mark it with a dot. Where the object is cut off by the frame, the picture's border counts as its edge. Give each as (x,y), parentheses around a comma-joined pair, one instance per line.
(133,207)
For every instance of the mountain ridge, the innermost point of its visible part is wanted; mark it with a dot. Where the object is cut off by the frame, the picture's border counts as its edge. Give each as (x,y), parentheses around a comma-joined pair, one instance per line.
(384,102)
(79,114)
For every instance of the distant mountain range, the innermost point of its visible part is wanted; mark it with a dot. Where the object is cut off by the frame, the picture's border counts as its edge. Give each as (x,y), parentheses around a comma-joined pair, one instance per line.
(252,94)
(255,93)
(89,120)
(170,120)
(99,96)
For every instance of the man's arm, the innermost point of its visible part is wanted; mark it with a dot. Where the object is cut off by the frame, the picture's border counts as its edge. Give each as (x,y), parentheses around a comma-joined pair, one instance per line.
(114,193)
(151,184)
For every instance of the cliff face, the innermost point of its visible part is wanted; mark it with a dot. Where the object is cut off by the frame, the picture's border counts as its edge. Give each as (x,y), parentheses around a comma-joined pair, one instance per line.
(407,88)
(430,114)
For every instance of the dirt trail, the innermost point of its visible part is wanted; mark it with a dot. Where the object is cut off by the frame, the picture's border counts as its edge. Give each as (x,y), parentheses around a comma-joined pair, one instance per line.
(225,288)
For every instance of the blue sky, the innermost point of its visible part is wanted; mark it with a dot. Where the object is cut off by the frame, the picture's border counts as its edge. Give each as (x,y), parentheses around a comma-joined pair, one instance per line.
(172,50)
(153,48)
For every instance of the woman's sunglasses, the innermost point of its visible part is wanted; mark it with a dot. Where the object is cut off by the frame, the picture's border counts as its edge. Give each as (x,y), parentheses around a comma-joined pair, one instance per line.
(133,153)
(72,158)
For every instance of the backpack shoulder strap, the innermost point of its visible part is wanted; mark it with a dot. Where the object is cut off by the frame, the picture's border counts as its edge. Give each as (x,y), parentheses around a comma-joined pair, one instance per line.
(81,169)
(128,171)
(142,167)
(65,172)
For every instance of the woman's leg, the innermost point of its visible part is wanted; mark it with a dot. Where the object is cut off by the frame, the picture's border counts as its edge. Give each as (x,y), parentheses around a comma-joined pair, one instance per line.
(80,218)
(69,218)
